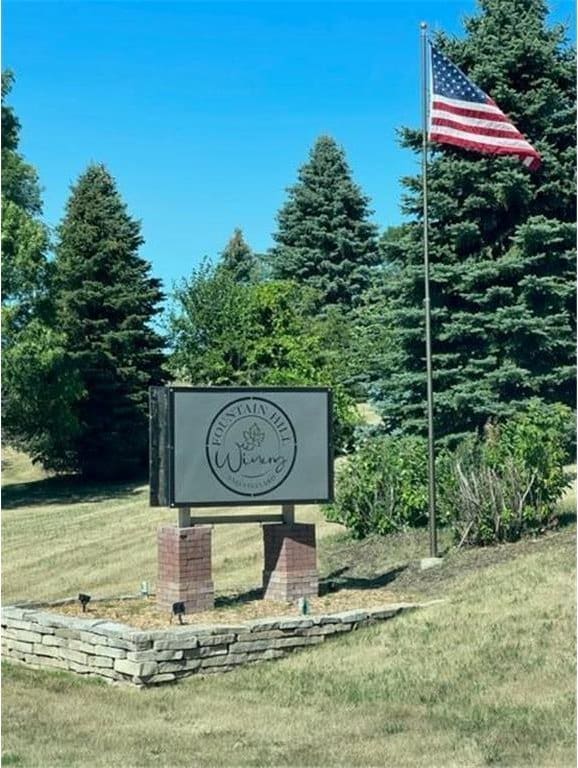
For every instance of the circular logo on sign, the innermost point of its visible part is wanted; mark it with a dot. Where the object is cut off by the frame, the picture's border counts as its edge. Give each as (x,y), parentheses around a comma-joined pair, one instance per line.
(251,446)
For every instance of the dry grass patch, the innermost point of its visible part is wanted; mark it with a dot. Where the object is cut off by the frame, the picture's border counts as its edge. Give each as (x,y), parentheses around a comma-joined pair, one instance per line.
(61,537)
(486,678)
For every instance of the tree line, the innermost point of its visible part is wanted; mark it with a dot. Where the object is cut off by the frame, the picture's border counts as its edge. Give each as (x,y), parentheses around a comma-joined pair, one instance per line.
(334,301)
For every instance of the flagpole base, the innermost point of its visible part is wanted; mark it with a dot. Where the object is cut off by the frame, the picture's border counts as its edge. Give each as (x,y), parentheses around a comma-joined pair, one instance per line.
(430,562)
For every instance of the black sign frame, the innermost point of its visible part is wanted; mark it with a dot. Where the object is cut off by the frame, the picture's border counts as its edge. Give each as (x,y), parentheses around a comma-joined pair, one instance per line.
(162,447)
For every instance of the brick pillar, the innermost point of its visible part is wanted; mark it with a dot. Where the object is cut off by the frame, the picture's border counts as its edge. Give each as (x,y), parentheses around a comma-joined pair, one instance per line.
(184,568)
(290,561)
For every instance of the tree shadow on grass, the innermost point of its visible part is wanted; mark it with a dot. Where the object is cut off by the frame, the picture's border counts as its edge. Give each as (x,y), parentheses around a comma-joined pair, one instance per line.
(332,583)
(337,580)
(566,518)
(65,490)
(231,601)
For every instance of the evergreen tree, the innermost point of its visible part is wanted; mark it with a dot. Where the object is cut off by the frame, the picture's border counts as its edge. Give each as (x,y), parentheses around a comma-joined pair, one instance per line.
(325,239)
(371,338)
(105,302)
(501,240)
(238,260)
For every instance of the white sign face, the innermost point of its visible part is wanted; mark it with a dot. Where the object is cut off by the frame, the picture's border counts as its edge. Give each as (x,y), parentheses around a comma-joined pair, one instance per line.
(243,446)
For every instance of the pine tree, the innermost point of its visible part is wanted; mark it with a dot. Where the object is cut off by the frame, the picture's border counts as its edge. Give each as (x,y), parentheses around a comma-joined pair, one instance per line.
(238,260)
(324,237)
(105,303)
(501,241)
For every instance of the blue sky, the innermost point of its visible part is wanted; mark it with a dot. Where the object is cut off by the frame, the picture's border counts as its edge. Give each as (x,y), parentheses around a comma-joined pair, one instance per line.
(204,112)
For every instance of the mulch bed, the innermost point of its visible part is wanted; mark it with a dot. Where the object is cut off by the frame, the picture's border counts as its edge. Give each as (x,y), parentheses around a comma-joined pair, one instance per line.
(142,612)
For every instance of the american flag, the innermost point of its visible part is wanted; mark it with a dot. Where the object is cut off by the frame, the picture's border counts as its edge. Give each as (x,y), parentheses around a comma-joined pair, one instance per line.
(463,115)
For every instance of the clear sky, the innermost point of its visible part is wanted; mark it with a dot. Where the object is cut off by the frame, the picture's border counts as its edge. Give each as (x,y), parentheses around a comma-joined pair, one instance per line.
(204,112)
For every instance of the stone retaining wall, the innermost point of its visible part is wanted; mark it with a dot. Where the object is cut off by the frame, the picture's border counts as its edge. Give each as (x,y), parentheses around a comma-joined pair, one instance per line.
(118,652)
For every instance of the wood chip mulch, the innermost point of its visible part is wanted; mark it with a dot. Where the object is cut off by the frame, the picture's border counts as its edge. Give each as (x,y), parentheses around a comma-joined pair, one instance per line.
(142,613)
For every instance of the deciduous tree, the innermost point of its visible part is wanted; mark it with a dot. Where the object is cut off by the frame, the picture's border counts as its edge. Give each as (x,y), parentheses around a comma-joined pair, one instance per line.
(38,383)
(24,235)
(224,332)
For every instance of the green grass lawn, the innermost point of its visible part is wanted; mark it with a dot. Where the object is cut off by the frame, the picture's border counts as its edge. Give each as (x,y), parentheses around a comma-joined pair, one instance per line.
(486,677)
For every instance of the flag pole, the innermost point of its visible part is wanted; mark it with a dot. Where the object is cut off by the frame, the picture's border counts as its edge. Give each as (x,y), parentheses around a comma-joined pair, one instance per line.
(431,454)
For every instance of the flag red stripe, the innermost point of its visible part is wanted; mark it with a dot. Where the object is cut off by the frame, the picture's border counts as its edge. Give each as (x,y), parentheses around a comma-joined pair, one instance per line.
(479,114)
(513,143)
(534,163)
(480,131)
(479,146)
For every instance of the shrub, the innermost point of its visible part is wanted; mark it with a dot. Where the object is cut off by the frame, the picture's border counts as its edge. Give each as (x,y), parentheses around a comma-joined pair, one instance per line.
(490,489)
(383,487)
(535,441)
(509,483)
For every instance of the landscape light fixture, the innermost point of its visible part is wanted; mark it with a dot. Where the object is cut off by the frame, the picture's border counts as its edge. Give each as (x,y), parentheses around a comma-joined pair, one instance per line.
(84,601)
(144,589)
(178,611)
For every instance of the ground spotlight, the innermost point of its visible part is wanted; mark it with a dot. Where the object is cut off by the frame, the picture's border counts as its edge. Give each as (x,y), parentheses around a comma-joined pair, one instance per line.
(84,601)
(178,611)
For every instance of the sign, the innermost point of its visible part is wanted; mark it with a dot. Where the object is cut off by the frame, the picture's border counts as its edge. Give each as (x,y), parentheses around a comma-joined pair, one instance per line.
(240,446)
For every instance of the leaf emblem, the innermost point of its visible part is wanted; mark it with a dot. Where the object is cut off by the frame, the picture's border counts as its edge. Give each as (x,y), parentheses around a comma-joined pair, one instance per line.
(252,437)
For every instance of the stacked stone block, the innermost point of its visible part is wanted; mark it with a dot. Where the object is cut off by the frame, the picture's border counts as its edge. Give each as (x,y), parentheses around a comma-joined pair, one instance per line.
(120,653)
(290,570)
(184,568)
